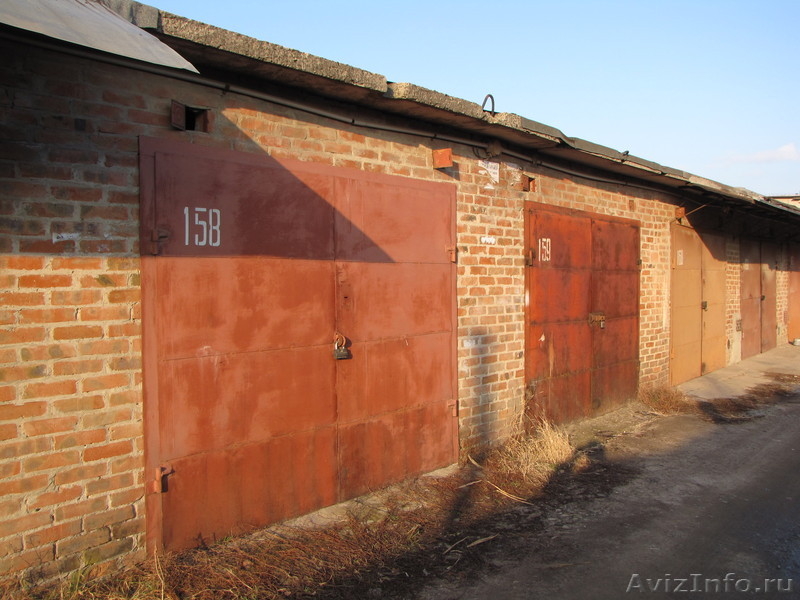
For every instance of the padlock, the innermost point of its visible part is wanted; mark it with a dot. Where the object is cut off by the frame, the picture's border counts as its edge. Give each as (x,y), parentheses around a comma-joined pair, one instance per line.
(340,351)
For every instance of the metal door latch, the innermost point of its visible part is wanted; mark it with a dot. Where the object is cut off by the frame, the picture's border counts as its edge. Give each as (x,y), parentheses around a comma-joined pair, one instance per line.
(158,485)
(597,318)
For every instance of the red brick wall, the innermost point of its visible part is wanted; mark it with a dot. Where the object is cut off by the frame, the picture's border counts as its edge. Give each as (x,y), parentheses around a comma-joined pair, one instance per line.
(71,433)
(70,364)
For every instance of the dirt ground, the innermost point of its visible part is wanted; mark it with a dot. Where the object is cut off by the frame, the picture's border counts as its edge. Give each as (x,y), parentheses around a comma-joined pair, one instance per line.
(696,497)
(685,503)
(710,497)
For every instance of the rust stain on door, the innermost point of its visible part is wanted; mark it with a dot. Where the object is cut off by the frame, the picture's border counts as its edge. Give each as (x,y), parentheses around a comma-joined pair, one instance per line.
(582,312)
(251,269)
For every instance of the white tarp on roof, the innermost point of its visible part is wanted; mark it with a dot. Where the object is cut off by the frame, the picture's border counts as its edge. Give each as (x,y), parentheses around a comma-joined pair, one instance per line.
(90,23)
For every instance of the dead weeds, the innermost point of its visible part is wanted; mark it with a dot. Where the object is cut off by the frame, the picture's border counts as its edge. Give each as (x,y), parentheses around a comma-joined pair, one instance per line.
(427,527)
(663,400)
(430,524)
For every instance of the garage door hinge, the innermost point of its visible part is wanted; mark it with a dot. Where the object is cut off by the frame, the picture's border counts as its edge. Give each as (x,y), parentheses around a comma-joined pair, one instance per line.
(454,407)
(530,257)
(157,237)
(158,485)
(453,252)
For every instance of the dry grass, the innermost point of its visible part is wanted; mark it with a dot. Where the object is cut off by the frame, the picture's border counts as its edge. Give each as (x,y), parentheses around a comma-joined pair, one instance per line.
(665,400)
(421,523)
(428,524)
(534,452)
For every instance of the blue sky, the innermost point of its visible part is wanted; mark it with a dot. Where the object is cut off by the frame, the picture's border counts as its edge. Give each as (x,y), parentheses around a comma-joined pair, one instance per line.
(708,86)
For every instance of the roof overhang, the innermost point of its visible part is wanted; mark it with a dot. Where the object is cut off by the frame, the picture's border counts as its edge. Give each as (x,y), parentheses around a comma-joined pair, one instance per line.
(91,24)
(224,55)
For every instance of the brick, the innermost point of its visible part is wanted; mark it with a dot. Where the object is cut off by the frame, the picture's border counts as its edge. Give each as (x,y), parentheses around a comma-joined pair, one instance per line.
(130,462)
(125,295)
(80,403)
(110,517)
(105,552)
(75,297)
(104,212)
(22,335)
(104,418)
(126,397)
(82,542)
(119,197)
(105,313)
(21,227)
(24,485)
(51,461)
(52,534)
(104,382)
(11,546)
(49,426)
(80,509)
(104,280)
(81,473)
(76,367)
(62,496)
(47,352)
(8,431)
(127,529)
(8,393)
(12,412)
(22,263)
(47,315)
(50,388)
(17,449)
(104,347)
(30,558)
(76,263)
(47,246)
(79,438)
(77,332)
(10,469)
(18,373)
(47,209)
(107,451)
(129,329)
(109,484)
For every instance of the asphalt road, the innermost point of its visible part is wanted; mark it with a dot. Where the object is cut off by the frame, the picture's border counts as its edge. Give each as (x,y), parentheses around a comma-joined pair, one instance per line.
(711,510)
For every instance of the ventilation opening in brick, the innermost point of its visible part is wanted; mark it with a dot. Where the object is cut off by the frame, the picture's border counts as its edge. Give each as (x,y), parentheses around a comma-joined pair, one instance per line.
(189,118)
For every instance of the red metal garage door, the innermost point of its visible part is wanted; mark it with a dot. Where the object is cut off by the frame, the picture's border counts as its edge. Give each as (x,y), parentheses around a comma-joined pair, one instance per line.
(759,296)
(794,292)
(252,269)
(582,339)
(750,282)
(697,297)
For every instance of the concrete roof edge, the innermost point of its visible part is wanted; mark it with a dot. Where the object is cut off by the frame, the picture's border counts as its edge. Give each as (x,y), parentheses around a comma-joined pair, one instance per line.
(433,99)
(202,34)
(221,39)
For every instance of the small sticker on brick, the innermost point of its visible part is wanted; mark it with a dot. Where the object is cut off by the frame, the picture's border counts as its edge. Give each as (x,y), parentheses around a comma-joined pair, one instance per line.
(65,237)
